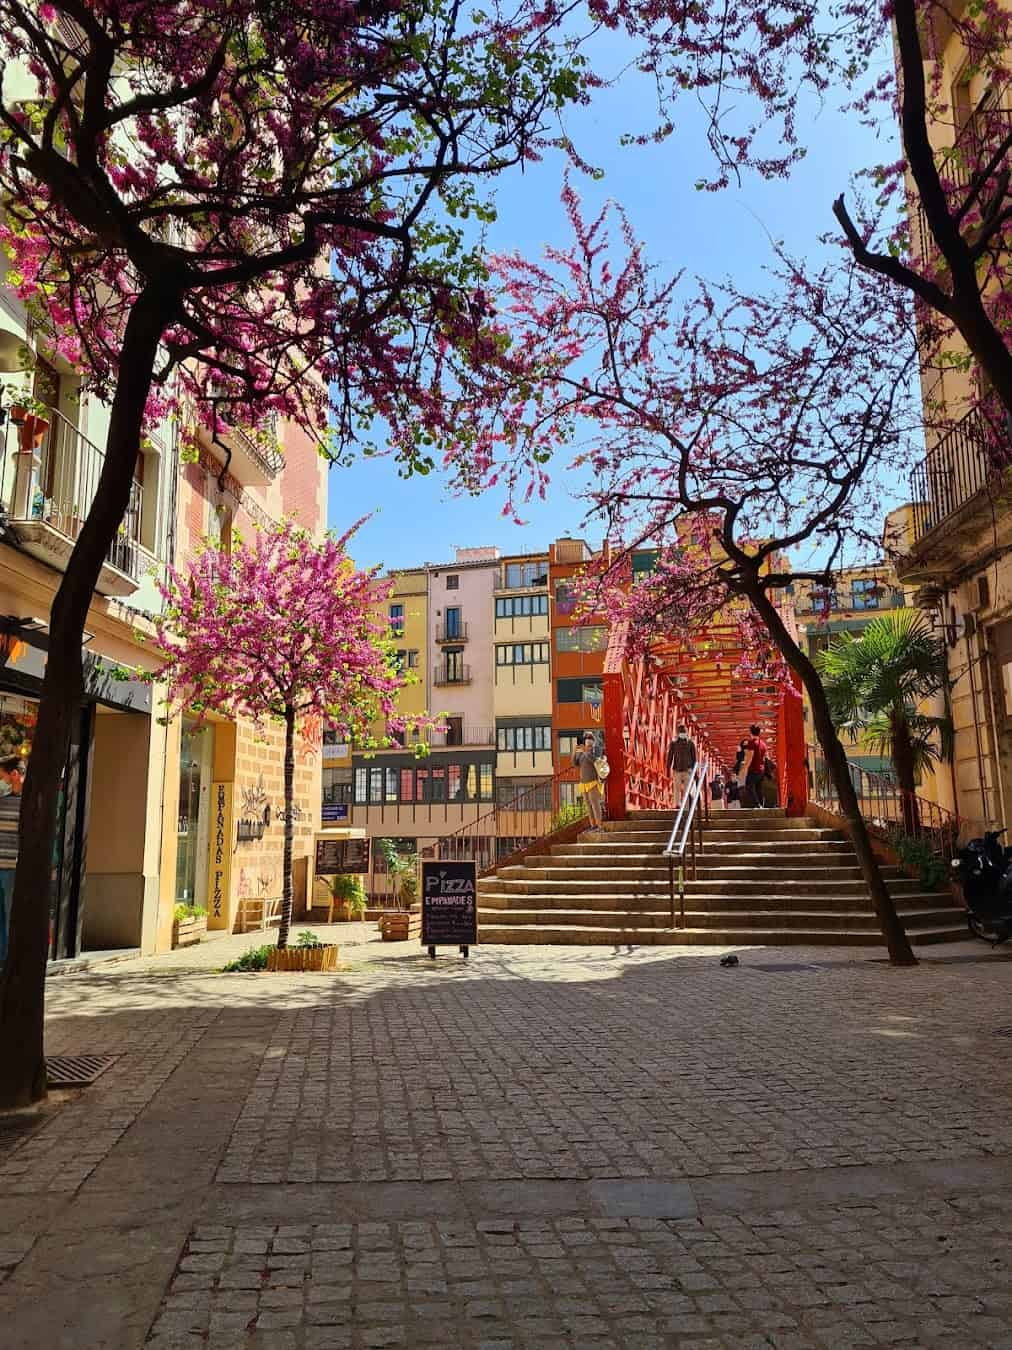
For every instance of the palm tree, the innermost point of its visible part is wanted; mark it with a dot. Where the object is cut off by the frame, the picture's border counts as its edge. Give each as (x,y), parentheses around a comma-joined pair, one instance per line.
(874,683)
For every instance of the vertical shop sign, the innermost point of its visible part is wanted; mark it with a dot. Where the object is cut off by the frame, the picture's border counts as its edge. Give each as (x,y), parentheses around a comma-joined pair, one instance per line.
(220,872)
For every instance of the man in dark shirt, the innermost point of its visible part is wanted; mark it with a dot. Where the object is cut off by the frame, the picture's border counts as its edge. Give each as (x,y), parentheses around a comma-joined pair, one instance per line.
(681,761)
(755,757)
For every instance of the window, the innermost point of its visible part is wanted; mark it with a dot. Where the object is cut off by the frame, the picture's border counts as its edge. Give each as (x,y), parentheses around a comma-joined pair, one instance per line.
(396,619)
(375,785)
(528,736)
(485,781)
(569,742)
(361,786)
(520,606)
(865,592)
(437,783)
(522,654)
(454,783)
(580,691)
(454,627)
(454,731)
(643,563)
(422,785)
(407,785)
(453,665)
(392,777)
(526,574)
(566,598)
(335,788)
(824,598)
(523,794)
(592,639)
(453,581)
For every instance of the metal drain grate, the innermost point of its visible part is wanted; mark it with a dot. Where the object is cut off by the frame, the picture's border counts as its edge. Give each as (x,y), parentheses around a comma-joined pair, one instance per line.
(16,1128)
(67,1071)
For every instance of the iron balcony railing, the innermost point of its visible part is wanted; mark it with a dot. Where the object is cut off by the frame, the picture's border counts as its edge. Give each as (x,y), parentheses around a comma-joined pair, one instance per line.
(452,632)
(458,736)
(50,475)
(451,674)
(950,475)
(890,813)
(980,140)
(264,449)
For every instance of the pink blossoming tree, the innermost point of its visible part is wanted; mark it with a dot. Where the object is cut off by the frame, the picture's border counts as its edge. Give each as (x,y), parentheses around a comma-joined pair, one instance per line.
(747,438)
(204,201)
(281,630)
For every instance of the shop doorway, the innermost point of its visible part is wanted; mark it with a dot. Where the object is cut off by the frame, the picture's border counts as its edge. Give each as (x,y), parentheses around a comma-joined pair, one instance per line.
(195,767)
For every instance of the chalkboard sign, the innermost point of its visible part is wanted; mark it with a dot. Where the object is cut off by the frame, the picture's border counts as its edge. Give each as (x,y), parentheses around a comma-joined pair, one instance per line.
(336,856)
(449,904)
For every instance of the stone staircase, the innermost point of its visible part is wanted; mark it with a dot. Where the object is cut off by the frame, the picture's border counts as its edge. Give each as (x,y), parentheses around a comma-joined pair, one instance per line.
(761,879)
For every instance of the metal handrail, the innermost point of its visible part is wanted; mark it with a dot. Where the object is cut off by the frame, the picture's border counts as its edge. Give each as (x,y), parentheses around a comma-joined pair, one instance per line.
(688,824)
(888,810)
(527,807)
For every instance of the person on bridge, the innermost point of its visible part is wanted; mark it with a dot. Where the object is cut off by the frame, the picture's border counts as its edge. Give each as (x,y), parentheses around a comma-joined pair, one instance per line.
(589,786)
(681,762)
(755,753)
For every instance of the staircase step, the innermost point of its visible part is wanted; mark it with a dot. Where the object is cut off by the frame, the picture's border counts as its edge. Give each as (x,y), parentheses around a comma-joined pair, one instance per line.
(702,937)
(646,883)
(546,900)
(738,920)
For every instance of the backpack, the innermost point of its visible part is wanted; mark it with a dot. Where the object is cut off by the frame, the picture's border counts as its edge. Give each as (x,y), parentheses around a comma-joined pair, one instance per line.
(769,768)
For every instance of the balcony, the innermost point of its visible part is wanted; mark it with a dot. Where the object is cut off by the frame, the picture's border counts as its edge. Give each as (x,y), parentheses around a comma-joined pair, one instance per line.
(984,134)
(461,735)
(49,478)
(951,474)
(444,674)
(253,455)
(452,632)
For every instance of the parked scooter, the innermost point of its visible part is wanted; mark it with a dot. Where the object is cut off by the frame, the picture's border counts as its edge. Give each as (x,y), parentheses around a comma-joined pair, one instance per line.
(983,869)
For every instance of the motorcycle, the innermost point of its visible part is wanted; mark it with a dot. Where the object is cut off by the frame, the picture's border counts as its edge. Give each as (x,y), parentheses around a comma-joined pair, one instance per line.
(983,869)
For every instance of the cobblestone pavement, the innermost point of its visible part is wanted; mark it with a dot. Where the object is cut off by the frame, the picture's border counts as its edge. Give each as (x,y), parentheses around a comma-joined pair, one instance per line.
(550,1147)
(870,1274)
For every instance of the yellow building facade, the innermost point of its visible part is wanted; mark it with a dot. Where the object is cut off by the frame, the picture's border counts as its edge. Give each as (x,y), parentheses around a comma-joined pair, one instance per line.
(953,541)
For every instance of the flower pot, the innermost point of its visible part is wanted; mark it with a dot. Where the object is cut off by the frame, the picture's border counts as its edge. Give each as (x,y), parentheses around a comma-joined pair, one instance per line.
(18,415)
(302,958)
(186,932)
(400,925)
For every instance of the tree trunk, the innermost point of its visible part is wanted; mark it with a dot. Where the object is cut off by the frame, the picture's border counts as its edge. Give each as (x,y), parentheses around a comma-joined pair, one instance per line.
(897,943)
(286,866)
(903,763)
(22,984)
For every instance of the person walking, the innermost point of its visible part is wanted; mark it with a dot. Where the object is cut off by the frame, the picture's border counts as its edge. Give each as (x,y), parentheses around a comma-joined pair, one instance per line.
(681,762)
(589,786)
(755,756)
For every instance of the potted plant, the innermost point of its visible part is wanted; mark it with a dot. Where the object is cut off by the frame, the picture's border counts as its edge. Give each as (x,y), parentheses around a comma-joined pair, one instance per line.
(404,922)
(307,953)
(347,896)
(189,925)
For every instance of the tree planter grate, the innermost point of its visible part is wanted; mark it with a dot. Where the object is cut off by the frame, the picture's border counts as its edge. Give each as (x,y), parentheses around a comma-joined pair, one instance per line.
(67,1071)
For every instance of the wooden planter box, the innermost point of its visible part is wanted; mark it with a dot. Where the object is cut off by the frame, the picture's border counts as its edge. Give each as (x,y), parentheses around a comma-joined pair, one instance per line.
(185,932)
(342,914)
(401,925)
(302,958)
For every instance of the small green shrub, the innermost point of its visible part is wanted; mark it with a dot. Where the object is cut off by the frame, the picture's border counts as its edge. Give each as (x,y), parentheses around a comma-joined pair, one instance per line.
(307,938)
(566,815)
(917,853)
(254,959)
(182,912)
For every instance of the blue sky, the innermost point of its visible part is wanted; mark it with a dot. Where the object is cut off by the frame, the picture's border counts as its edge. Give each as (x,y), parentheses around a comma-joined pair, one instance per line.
(713,234)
